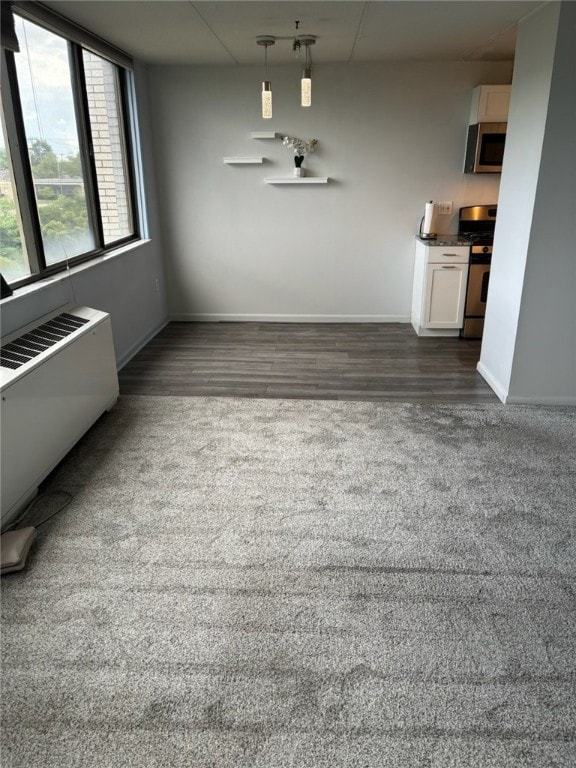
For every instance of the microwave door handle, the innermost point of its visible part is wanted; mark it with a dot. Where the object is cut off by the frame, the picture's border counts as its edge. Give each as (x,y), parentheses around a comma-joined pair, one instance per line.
(478,156)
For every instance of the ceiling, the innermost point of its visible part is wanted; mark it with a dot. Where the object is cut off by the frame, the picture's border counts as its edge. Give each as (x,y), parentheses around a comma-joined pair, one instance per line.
(223,32)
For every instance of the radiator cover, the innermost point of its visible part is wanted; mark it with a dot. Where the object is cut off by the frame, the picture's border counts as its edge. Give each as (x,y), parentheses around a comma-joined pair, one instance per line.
(50,400)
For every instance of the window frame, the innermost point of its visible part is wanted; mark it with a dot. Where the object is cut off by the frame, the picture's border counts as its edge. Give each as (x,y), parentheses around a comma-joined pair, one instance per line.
(77,40)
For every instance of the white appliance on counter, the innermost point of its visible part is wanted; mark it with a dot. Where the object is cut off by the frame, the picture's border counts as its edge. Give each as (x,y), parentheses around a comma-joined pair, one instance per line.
(439,287)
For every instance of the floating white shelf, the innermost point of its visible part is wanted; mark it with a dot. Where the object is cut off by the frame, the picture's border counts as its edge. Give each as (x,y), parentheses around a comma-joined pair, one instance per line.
(242,160)
(300,180)
(265,135)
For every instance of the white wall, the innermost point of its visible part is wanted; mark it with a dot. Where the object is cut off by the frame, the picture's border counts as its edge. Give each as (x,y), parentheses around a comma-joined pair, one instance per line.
(529,347)
(125,284)
(391,137)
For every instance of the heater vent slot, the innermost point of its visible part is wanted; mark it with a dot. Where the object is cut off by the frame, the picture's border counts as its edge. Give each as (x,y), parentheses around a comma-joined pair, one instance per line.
(21,350)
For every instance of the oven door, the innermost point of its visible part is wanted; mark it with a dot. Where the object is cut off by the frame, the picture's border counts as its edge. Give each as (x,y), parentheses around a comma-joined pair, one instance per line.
(475,307)
(477,293)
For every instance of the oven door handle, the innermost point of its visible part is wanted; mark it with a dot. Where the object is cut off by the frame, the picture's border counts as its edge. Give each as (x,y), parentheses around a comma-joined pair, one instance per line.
(484,289)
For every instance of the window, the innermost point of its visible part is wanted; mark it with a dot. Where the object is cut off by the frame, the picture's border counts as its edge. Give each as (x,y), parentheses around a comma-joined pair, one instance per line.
(104,106)
(46,94)
(66,180)
(13,258)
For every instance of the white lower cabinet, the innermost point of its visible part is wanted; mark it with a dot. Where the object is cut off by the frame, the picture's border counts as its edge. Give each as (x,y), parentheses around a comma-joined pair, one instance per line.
(439,289)
(445,289)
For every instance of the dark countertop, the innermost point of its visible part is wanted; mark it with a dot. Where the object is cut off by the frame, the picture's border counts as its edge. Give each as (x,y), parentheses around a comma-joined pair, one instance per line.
(444,240)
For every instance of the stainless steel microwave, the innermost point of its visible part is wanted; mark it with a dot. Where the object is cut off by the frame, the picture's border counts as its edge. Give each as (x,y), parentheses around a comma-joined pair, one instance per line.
(485,148)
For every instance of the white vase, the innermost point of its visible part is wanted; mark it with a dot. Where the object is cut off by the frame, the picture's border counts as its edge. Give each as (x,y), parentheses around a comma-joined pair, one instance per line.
(298,172)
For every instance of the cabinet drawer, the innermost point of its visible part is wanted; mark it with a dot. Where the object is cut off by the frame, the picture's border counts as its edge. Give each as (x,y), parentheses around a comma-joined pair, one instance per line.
(447,254)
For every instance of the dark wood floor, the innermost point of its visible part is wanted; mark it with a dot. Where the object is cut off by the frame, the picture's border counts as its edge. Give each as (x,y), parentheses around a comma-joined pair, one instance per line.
(360,361)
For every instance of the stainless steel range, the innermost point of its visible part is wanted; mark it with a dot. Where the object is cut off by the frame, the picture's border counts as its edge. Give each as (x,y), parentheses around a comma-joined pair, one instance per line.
(476,223)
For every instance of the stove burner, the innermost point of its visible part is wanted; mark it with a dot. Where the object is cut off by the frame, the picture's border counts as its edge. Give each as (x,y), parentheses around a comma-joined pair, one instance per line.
(479,238)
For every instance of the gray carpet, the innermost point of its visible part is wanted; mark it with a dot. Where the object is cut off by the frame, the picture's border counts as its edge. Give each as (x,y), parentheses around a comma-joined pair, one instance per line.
(301,584)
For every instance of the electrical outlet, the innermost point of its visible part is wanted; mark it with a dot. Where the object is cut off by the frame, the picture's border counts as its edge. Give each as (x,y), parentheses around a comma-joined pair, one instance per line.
(445,207)
(157,285)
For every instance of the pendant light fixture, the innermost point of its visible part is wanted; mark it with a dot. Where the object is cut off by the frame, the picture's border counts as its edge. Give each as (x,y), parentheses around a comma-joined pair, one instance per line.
(306,81)
(266,40)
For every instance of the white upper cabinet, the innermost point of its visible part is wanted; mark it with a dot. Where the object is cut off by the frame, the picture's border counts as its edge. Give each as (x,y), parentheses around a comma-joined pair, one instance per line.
(490,104)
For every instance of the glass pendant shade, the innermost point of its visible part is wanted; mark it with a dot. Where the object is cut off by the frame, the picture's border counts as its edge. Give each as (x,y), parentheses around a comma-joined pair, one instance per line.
(266,99)
(306,88)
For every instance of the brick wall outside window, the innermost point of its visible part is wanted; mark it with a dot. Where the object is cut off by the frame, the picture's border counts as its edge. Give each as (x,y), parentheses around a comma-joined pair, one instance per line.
(105,117)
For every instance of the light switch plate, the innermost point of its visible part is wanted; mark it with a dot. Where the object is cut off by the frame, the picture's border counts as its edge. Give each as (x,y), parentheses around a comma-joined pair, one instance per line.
(445,207)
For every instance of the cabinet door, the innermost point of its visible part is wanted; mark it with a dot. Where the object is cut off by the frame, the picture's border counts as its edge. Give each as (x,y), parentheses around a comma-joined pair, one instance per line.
(494,103)
(445,295)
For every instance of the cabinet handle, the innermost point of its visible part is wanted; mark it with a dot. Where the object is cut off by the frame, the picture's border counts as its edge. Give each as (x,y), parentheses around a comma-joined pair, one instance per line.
(450,254)
(448,266)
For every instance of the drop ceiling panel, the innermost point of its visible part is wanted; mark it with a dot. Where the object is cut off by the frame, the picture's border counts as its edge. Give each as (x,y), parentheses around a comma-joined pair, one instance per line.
(439,31)
(335,25)
(224,31)
(159,31)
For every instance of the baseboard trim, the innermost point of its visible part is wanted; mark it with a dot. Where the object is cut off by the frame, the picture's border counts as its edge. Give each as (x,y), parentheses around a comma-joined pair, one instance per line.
(135,348)
(209,317)
(499,391)
(438,332)
(519,399)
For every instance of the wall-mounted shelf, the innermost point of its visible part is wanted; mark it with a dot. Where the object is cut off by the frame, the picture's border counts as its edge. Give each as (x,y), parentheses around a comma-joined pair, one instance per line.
(265,135)
(300,180)
(242,160)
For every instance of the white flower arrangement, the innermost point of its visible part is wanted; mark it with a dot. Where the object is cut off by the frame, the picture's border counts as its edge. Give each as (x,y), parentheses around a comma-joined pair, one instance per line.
(301,147)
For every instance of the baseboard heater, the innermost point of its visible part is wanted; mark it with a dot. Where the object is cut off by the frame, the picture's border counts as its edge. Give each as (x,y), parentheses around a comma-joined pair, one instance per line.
(57,377)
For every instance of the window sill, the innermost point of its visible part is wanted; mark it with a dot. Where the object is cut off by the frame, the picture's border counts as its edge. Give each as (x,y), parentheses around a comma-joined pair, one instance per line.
(40,285)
